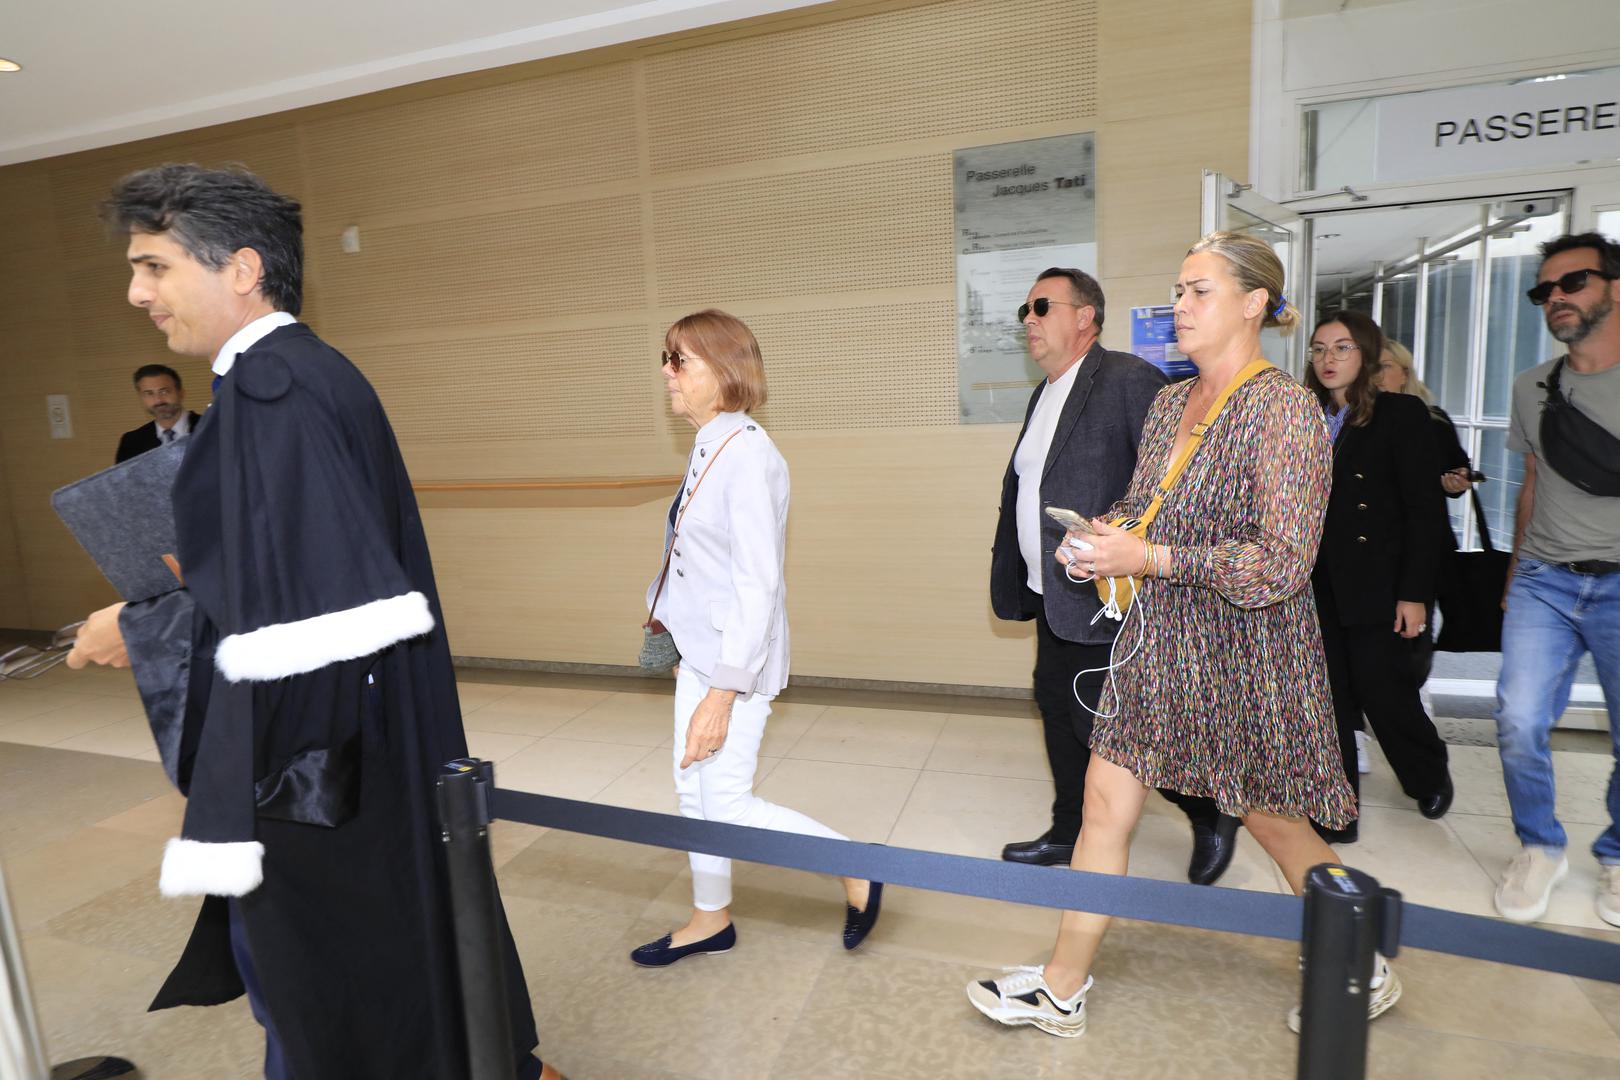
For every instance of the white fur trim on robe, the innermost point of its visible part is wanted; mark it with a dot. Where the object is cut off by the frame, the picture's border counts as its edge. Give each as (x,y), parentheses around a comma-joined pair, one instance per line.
(294,648)
(195,868)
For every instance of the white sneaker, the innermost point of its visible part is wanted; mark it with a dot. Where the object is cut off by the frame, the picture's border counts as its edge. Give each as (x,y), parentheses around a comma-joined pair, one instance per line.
(1528,884)
(1022,997)
(1363,762)
(1386,991)
(1608,894)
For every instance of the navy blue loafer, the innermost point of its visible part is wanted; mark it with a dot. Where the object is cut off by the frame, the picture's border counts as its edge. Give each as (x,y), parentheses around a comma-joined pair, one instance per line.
(661,954)
(857,924)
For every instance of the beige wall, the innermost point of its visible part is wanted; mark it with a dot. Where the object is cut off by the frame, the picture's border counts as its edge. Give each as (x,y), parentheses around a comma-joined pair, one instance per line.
(528,233)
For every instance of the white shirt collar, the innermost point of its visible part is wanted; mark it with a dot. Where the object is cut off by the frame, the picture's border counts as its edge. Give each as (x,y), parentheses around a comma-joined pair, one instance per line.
(181,427)
(723,424)
(249,336)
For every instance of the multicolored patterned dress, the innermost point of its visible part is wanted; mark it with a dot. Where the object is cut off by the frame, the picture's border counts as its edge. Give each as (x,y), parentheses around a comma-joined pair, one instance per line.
(1227,693)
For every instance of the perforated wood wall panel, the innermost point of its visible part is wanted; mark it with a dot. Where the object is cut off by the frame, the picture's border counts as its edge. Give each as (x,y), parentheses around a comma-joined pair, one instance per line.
(892,366)
(574,129)
(485,268)
(817,231)
(556,385)
(886,78)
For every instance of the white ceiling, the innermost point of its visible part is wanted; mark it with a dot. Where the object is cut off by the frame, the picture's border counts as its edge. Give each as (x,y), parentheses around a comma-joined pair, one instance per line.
(99,72)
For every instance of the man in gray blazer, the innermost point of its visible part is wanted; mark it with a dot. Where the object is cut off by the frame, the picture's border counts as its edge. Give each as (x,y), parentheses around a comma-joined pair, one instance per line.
(1077,450)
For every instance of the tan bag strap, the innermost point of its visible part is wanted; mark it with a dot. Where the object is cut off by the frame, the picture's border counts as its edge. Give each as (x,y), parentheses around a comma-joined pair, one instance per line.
(1179,465)
(675,530)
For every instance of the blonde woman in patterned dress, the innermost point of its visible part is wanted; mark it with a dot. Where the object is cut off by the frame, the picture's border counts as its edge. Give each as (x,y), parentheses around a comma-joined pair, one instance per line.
(1227,694)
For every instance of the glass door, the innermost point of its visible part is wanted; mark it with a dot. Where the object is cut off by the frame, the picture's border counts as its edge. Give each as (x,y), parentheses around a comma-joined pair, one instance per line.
(1236,208)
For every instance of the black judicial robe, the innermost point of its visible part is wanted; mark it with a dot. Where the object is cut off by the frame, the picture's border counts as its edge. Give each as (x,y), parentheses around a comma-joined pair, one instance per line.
(305,714)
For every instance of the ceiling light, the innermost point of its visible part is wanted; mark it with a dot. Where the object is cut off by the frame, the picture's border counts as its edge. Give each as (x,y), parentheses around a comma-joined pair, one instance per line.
(9,65)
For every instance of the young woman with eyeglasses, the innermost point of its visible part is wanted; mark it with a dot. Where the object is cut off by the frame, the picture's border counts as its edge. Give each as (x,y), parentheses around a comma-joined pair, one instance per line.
(1375,568)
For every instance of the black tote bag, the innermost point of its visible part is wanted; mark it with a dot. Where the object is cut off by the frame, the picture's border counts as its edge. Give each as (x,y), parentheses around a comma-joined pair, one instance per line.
(1469,594)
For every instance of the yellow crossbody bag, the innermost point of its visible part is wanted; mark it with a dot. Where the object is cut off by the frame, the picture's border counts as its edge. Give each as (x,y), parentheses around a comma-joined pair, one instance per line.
(1118,593)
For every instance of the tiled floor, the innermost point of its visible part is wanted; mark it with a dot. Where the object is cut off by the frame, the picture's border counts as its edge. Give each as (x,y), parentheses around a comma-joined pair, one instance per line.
(84,811)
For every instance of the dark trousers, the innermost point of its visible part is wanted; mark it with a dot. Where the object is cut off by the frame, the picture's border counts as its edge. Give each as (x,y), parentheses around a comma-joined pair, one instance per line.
(1371,672)
(1059,695)
(1420,650)
(275,1064)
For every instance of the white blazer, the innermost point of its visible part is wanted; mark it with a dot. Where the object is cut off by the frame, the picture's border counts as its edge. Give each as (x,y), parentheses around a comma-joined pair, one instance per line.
(725,601)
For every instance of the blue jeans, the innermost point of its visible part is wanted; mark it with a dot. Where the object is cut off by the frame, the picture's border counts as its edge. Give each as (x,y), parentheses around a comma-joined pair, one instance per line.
(1553,616)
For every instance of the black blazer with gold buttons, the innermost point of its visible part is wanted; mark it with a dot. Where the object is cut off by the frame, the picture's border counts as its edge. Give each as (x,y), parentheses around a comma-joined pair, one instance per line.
(1378,541)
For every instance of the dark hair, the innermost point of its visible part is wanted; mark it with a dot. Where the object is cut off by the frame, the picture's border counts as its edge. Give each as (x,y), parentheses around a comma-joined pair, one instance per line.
(1362,391)
(1086,290)
(1608,252)
(153,371)
(214,213)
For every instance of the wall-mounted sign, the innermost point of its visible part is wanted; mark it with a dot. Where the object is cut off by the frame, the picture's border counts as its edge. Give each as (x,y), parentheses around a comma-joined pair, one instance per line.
(1020,208)
(1478,129)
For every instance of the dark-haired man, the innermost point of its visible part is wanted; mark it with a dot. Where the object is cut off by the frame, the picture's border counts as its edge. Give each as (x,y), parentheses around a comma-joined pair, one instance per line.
(164,399)
(299,687)
(1077,451)
(1563,594)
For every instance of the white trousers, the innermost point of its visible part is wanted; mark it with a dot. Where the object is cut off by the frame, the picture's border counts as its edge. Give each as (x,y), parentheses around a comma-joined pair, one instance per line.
(721,788)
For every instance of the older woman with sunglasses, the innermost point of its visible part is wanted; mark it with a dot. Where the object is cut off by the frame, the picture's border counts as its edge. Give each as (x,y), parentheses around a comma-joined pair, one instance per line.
(722,597)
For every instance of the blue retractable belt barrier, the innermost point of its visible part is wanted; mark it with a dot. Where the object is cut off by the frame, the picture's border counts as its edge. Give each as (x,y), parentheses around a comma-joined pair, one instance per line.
(1232,910)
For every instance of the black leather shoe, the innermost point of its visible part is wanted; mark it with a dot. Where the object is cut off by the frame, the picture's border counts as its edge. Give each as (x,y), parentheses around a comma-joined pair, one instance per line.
(1214,841)
(857,924)
(1040,851)
(1347,835)
(661,953)
(1435,806)
(93,1068)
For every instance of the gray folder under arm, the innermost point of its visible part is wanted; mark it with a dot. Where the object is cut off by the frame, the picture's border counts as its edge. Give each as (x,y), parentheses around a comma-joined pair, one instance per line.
(124,518)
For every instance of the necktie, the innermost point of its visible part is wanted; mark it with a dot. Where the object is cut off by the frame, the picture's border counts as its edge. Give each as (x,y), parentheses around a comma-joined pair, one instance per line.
(217,380)
(168,436)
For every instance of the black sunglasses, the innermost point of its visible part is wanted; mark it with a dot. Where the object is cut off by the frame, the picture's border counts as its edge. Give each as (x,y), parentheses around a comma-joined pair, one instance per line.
(1040,307)
(1570,284)
(673,359)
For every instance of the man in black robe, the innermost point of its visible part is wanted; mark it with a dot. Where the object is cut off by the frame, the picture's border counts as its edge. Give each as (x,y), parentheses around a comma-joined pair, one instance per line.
(299,686)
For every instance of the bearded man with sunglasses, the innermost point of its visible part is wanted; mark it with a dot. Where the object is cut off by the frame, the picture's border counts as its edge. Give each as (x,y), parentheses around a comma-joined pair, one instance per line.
(1077,450)
(1563,594)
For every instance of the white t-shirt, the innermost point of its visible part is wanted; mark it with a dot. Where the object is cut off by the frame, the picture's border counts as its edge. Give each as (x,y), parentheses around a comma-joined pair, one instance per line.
(1029,461)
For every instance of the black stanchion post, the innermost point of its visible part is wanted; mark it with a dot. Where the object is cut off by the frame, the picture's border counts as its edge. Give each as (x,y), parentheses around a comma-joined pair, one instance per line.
(463,793)
(1348,917)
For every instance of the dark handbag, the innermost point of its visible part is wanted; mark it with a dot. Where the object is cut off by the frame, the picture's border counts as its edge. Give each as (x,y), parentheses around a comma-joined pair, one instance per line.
(1575,446)
(1469,594)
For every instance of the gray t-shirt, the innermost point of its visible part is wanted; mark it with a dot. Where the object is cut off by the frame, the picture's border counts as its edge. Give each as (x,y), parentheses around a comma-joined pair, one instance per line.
(1567,524)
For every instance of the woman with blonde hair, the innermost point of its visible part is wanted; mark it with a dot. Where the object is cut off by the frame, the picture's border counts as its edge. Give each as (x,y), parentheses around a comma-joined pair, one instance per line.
(722,599)
(1224,691)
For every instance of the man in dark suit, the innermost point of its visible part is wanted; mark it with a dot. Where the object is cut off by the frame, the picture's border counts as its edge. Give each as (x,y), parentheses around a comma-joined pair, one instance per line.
(1077,450)
(164,399)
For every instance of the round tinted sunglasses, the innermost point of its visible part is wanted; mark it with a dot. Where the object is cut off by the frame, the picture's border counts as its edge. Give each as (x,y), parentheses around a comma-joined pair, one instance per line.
(673,359)
(1040,307)
(1570,284)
